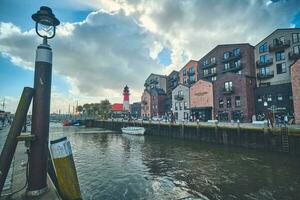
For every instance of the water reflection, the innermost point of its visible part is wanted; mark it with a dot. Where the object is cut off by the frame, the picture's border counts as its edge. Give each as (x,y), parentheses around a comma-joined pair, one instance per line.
(116,166)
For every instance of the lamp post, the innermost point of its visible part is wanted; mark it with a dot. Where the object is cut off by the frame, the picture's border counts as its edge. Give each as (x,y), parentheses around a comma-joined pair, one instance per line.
(46,23)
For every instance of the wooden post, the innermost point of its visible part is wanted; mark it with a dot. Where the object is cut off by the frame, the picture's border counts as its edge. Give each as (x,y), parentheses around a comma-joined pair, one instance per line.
(10,145)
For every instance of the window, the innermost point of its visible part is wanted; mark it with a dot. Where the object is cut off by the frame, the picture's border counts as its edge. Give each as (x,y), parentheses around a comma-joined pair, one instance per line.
(279,97)
(281,40)
(184,80)
(269,97)
(192,70)
(228,102)
(264,71)
(280,55)
(226,66)
(213,78)
(237,63)
(237,101)
(180,105)
(228,86)
(264,58)
(226,55)
(205,62)
(221,102)
(184,72)
(263,48)
(239,72)
(213,60)
(180,92)
(205,72)
(296,49)
(185,106)
(259,99)
(296,37)
(213,70)
(192,78)
(237,52)
(281,68)
(176,106)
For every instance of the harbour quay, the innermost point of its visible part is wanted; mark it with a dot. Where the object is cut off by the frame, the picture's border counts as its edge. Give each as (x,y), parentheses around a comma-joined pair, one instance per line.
(281,139)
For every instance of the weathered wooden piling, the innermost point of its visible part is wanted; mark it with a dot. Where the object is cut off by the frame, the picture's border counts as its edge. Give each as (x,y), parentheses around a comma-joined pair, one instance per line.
(10,145)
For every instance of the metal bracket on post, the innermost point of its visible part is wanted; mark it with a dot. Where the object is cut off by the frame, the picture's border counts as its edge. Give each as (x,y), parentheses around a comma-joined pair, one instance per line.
(27,138)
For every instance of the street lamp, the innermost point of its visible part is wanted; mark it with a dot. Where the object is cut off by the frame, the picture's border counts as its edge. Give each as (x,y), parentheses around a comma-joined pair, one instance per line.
(45,23)
(37,178)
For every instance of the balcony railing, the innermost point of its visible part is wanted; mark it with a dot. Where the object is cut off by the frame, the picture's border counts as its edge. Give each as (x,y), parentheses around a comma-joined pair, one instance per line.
(281,45)
(294,56)
(233,68)
(179,97)
(232,57)
(260,64)
(228,90)
(210,74)
(153,81)
(265,75)
(192,73)
(191,81)
(209,65)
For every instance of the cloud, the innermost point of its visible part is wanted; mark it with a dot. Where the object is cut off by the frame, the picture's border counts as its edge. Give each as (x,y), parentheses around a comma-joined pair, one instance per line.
(119,43)
(194,27)
(97,56)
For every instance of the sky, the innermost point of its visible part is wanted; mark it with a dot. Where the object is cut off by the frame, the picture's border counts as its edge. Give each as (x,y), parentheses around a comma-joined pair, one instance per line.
(102,45)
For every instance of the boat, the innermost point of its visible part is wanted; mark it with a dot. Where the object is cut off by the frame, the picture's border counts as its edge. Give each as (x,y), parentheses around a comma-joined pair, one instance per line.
(133,130)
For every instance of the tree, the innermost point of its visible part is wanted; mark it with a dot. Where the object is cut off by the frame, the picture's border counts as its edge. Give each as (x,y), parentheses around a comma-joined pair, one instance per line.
(79,109)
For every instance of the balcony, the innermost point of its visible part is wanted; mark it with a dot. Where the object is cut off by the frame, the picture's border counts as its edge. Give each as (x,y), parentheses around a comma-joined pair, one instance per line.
(261,64)
(233,68)
(228,90)
(153,82)
(232,57)
(280,45)
(144,102)
(209,65)
(178,97)
(191,73)
(190,82)
(294,56)
(210,74)
(265,75)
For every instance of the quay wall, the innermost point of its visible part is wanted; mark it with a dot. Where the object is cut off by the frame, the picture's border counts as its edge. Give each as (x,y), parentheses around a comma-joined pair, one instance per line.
(267,139)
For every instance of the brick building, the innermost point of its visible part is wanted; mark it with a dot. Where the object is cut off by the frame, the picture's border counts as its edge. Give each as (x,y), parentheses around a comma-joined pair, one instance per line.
(201,100)
(231,69)
(295,74)
(153,102)
(189,73)
(146,104)
(274,56)
(172,83)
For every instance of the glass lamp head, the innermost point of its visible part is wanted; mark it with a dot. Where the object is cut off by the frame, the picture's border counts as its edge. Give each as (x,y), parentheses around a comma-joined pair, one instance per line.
(45,22)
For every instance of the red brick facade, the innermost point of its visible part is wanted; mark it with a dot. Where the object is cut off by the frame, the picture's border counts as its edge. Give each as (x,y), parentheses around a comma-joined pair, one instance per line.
(295,76)
(184,74)
(201,94)
(242,88)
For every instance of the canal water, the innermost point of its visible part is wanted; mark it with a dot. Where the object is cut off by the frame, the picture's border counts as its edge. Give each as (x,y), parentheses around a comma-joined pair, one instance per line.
(115,166)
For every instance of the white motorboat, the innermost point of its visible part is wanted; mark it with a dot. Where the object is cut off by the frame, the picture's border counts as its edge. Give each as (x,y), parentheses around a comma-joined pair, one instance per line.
(133,130)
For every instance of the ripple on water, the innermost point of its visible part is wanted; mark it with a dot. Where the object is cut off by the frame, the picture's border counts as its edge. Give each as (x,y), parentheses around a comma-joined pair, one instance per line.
(115,166)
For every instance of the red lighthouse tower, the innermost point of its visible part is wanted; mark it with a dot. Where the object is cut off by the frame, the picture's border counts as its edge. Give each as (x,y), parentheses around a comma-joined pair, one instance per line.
(126,98)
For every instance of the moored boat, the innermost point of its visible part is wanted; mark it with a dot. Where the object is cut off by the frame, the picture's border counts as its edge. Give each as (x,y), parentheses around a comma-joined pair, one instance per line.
(132,130)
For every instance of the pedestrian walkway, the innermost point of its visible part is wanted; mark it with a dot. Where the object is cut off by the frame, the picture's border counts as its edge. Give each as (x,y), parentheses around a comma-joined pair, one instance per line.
(16,179)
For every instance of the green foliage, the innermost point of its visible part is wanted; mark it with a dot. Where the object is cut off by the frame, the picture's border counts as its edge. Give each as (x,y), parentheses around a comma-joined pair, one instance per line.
(100,110)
